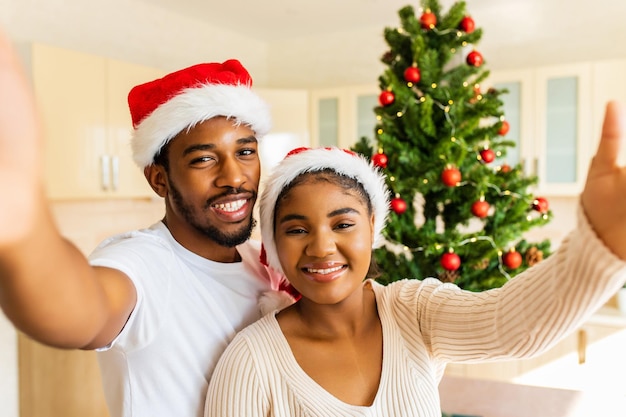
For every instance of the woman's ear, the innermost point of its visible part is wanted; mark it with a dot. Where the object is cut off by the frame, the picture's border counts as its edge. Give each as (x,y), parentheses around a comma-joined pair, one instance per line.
(373,227)
(157,178)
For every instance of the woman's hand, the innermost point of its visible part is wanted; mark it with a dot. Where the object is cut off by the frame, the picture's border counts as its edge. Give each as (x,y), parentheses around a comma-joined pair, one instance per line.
(604,196)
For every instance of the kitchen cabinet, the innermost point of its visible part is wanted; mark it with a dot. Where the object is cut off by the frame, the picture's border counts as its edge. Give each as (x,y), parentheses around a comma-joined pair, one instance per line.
(549,111)
(342,116)
(87,125)
(56,382)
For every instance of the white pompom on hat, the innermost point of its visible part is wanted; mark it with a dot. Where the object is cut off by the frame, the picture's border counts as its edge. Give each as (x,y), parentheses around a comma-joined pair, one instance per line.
(163,108)
(302,160)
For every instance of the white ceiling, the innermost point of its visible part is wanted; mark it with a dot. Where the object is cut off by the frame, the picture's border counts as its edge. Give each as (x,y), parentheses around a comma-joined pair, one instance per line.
(314,43)
(518,21)
(516,33)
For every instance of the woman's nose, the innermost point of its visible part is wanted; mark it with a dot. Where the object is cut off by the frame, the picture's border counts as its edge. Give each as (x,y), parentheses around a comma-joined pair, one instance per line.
(321,244)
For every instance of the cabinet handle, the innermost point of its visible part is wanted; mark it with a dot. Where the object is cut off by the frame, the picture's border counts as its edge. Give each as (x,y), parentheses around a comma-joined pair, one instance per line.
(105,163)
(115,166)
(582,347)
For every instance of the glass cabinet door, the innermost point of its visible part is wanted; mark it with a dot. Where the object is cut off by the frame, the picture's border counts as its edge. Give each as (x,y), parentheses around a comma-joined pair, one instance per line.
(563,127)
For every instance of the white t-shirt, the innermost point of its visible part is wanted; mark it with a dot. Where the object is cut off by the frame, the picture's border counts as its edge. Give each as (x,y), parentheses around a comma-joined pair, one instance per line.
(188,309)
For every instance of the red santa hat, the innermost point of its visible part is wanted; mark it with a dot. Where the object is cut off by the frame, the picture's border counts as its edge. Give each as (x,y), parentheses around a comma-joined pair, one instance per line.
(163,108)
(302,160)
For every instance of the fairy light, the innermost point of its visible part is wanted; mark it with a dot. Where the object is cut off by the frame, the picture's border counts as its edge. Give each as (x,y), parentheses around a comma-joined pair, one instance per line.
(399,114)
(433,85)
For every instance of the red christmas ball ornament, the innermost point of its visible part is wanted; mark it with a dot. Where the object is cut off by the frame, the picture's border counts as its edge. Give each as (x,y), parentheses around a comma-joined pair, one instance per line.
(386,98)
(398,205)
(450,261)
(512,259)
(474,59)
(380,160)
(504,129)
(412,74)
(428,20)
(480,208)
(540,204)
(451,176)
(487,155)
(467,24)
(506,168)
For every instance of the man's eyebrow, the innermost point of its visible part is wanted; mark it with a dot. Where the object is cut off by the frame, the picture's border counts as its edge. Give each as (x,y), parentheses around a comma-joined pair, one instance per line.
(210,146)
(198,147)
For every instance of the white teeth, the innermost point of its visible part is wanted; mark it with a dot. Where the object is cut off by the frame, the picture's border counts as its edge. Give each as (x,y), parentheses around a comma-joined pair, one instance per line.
(230,207)
(324,271)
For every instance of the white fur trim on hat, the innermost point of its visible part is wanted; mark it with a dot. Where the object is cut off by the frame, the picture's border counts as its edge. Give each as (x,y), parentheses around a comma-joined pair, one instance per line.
(195,105)
(351,165)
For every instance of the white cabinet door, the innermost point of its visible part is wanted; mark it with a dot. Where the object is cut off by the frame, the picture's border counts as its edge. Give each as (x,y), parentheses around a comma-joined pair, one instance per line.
(83,102)
(550,114)
(563,127)
(342,116)
(126,179)
(70,92)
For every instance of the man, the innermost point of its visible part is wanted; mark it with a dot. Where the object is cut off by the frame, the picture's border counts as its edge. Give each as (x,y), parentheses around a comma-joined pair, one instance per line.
(160,304)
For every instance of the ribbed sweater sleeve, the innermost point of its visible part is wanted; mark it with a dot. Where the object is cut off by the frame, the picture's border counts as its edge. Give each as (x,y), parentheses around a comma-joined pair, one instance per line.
(236,373)
(527,315)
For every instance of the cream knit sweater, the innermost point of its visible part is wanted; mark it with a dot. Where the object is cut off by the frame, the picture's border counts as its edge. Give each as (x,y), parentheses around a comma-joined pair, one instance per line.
(426,324)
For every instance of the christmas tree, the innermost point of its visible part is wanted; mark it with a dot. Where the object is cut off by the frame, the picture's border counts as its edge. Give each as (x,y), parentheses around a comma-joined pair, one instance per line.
(459,211)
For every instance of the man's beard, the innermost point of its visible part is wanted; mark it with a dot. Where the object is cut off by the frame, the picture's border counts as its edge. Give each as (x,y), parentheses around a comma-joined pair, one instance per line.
(228,240)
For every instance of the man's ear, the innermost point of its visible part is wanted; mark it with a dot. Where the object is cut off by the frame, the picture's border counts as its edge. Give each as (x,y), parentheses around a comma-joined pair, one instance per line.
(157,178)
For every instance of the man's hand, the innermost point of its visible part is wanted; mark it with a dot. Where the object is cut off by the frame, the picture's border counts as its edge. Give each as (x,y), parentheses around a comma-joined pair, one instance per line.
(604,196)
(20,150)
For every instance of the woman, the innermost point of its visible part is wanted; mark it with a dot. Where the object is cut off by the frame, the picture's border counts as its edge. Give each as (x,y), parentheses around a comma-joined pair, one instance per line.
(351,347)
